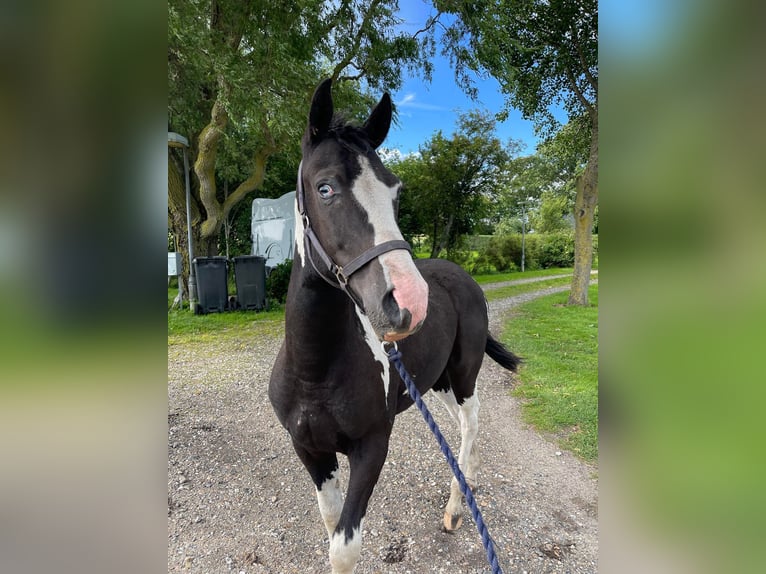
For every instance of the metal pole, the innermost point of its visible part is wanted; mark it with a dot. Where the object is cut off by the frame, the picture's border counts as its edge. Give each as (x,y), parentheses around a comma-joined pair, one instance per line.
(523,234)
(192,274)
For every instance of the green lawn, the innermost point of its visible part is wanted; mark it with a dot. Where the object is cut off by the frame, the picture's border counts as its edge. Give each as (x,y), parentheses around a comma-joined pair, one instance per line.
(559,379)
(184,327)
(512,290)
(514,275)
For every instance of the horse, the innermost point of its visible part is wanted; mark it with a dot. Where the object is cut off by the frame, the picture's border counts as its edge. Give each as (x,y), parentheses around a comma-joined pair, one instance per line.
(355,287)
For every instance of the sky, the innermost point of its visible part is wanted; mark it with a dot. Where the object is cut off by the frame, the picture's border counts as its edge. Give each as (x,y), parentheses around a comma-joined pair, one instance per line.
(628,28)
(424,108)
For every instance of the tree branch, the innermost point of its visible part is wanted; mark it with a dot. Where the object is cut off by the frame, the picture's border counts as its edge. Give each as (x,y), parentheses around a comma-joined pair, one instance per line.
(345,62)
(577,92)
(430,23)
(591,80)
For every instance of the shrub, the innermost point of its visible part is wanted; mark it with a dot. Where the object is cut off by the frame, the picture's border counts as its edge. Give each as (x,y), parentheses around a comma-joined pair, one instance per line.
(542,251)
(278,281)
(595,251)
(504,252)
(557,250)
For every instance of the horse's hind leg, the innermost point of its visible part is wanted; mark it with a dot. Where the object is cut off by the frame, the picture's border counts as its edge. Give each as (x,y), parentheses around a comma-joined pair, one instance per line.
(467,415)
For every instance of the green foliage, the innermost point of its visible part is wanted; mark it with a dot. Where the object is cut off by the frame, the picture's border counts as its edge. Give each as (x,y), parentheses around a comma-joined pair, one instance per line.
(543,251)
(278,281)
(452,185)
(559,378)
(504,252)
(553,215)
(557,250)
(240,76)
(540,52)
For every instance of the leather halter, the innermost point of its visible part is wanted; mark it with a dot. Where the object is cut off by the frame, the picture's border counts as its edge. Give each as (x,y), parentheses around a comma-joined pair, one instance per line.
(341,273)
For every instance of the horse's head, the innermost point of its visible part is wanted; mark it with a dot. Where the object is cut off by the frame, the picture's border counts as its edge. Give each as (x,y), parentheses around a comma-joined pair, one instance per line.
(348,202)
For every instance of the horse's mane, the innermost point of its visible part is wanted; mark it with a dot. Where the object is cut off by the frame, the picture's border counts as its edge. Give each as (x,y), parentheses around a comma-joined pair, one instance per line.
(350,134)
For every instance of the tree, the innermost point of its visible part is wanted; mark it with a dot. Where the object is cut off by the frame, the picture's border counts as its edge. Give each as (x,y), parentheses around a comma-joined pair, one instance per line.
(241,75)
(541,52)
(451,184)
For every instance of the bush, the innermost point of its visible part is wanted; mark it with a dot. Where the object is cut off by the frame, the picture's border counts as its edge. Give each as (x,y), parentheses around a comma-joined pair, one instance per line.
(543,251)
(504,252)
(595,251)
(278,281)
(557,250)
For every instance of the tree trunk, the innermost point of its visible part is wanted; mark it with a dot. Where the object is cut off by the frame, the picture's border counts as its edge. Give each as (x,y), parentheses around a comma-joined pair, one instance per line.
(585,207)
(217,212)
(444,241)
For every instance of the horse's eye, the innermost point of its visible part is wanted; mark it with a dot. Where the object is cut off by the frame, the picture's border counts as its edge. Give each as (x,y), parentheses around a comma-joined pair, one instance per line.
(325,191)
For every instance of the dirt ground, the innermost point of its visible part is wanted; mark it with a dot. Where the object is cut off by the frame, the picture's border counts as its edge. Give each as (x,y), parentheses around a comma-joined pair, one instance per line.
(240,501)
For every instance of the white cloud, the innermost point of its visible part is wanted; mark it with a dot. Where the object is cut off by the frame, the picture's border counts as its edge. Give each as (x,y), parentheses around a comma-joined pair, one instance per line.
(410,101)
(394,154)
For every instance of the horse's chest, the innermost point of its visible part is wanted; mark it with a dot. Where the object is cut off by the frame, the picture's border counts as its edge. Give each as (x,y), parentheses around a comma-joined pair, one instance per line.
(326,418)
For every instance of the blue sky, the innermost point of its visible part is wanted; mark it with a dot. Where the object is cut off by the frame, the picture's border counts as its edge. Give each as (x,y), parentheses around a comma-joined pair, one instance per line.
(628,28)
(426,108)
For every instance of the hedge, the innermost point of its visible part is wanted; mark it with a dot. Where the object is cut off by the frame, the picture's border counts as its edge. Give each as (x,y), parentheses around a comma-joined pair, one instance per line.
(542,251)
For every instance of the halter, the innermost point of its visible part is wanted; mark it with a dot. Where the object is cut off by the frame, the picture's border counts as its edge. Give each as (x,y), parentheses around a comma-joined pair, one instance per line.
(341,273)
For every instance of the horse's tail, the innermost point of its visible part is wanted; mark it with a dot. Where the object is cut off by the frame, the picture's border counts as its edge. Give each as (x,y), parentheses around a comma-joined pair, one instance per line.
(502,356)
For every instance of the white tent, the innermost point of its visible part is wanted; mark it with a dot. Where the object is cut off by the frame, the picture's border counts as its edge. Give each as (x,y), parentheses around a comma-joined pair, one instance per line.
(273,228)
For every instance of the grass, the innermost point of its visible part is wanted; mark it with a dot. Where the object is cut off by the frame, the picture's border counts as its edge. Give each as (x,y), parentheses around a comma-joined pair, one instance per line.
(184,327)
(512,290)
(513,275)
(559,380)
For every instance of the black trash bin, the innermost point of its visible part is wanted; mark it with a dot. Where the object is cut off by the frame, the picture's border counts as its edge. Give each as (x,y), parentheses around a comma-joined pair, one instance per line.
(212,291)
(250,277)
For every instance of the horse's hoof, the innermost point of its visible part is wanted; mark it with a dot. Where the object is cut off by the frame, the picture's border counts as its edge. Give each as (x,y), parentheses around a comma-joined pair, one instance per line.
(452,521)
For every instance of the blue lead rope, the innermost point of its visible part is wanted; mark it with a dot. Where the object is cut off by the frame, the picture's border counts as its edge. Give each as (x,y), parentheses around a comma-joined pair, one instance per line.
(396,359)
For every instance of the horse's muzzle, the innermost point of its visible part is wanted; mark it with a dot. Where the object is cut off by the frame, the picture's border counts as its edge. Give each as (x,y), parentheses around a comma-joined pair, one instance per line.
(405,314)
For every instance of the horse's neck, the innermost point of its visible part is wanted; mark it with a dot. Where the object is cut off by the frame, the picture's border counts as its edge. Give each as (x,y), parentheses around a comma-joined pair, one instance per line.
(316,314)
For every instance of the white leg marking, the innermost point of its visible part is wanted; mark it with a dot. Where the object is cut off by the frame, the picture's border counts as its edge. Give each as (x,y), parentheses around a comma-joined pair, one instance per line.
(450,403)
(469,429)
(330,501)
(345,554)
(376,349)
(468,459)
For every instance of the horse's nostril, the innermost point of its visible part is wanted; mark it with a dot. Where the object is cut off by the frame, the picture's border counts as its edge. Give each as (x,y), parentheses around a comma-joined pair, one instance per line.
(399,318)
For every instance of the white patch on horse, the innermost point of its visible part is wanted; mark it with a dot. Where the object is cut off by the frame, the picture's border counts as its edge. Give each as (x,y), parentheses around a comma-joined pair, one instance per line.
(330,502)
(376,199)
(299,231)
(344,554)
(450,402)
(375,348)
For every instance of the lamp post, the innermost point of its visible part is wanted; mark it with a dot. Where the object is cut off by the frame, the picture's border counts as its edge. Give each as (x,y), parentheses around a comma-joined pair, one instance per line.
(177,140)
(523,232)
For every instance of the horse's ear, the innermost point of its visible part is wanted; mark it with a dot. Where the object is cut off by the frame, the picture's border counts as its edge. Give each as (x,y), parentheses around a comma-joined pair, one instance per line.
(379,121)
(321,110)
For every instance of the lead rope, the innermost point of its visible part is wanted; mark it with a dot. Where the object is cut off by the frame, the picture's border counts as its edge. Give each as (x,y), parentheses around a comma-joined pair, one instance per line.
(395,356)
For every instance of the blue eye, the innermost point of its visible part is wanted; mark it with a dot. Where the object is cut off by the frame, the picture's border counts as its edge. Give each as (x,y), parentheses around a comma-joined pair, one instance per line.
(326,191)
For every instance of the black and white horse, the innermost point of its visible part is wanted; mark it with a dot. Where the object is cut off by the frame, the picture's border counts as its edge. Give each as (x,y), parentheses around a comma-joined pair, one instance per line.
(354,284)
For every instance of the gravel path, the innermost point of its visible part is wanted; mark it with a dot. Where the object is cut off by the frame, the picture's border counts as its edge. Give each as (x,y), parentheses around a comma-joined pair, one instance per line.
(239,500)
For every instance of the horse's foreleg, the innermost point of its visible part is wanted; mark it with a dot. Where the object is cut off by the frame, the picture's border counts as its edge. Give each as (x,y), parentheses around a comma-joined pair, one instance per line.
(324,472)
(468,458)
(366,459)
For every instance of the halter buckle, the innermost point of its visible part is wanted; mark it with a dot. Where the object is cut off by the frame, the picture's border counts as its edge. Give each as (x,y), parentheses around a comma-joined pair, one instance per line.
(341,277)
